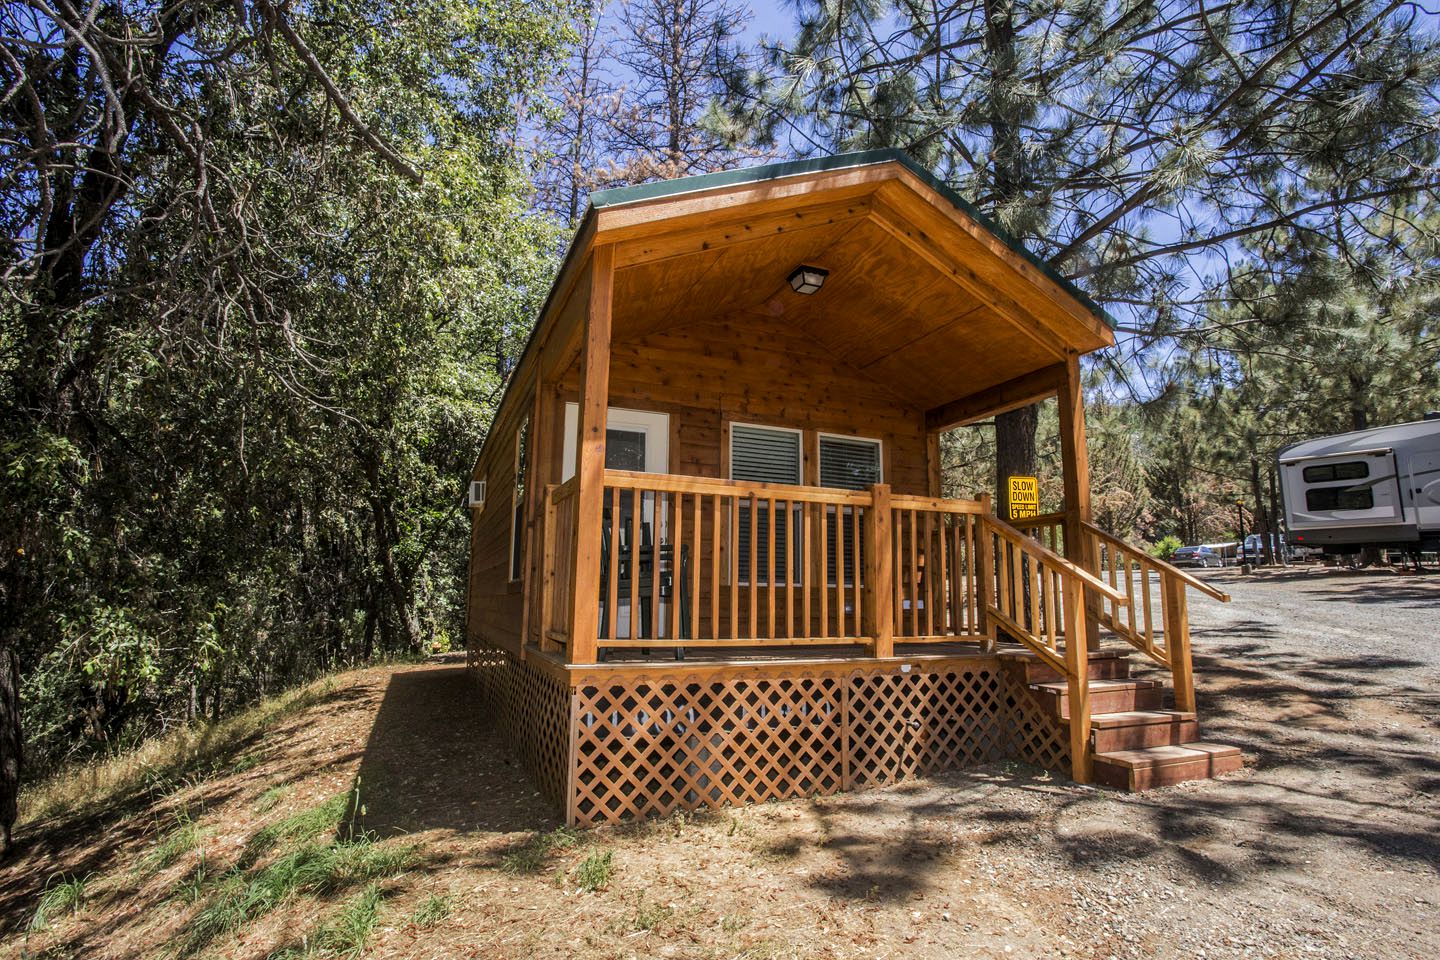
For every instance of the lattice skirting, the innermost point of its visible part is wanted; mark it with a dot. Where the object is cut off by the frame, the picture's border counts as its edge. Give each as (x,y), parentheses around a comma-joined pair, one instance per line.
(533,712)
(645,747)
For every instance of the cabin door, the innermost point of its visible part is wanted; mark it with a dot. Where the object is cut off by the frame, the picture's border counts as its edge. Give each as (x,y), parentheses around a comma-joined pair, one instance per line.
(637,440)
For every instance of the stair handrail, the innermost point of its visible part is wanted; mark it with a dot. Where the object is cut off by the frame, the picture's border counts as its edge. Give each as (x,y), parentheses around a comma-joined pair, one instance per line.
(1190,580)
(1053,559)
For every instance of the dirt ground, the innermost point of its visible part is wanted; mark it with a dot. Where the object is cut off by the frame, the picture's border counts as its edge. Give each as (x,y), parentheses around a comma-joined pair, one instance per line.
(1325,845)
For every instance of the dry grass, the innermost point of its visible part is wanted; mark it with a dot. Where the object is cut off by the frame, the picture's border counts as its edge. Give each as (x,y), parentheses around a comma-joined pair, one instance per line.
(450,851)
(187,752)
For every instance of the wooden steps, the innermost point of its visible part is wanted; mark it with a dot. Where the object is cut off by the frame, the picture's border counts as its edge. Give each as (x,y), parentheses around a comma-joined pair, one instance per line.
(1138,729)
(1136,742)
(1106,696)
(1136,770)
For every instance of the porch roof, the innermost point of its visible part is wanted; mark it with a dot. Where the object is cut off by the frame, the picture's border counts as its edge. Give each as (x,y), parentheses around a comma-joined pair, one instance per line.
(924,293)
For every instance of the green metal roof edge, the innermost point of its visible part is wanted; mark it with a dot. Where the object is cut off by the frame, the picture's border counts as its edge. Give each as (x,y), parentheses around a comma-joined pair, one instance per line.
(840,161)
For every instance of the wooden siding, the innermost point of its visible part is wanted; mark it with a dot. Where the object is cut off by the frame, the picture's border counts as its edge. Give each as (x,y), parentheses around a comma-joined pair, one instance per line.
(760,371)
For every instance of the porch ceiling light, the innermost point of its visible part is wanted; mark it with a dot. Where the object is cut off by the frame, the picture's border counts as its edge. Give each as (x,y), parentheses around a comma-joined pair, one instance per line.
(808,280)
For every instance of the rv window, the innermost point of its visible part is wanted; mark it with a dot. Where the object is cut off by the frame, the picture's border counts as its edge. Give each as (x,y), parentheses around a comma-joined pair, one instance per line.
(1324,473)
(1340,498)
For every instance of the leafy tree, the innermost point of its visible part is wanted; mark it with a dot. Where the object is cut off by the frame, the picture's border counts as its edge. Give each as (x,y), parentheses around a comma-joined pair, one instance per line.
(263,266)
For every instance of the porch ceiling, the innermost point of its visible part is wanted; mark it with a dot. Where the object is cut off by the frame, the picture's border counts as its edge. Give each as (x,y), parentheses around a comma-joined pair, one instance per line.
(920,296)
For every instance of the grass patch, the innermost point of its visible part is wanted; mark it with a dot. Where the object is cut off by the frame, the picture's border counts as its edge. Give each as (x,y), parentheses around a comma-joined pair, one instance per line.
(432,911)
(531,855)
(650,917)
(304,865)
(63,896)
(595,871)
(346,934)
(182,839)
(203,750)
(300,826)
(271,798)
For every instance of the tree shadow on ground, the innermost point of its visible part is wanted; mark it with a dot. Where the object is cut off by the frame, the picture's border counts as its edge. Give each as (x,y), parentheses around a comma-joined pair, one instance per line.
(434,761)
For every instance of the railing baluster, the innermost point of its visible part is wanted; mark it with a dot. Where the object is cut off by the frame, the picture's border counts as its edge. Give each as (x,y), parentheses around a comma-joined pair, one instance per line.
(789,568)
(1129,596)
(612,579)
(715,567)
(652,625)
(734,568)
(1032,583)
(822,557)
(1145,593)
(806,567)
(839,571)
(929,573)
(770,572)
(897,538)
(856,570)
(697,534)
(754,566)
(677,531)
(913,594)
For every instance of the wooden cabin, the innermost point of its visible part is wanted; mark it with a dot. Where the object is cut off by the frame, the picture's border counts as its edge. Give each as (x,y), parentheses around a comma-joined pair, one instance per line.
(710,560)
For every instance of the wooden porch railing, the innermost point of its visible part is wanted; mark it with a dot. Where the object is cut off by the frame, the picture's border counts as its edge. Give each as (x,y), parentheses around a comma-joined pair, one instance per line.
(1130,573)
(936,552)
(1048,528)
(695,562)
(698,562)
(557,573)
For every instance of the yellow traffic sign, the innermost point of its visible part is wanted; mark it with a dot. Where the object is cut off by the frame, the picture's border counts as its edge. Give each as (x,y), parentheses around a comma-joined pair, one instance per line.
(1024,497)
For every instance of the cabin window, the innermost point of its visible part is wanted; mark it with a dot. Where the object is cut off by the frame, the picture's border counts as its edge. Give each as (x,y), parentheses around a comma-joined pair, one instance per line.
(1324,473)
(1340,498)
(764,455)
(517,514)
(850,463)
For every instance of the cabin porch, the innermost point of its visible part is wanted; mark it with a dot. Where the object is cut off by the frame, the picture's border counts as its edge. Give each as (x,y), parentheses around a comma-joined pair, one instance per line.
(899,636)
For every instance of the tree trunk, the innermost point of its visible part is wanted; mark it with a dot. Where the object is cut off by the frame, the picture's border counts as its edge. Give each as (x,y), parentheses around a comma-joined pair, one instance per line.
(11,746)
(1014,451)
(1014,431)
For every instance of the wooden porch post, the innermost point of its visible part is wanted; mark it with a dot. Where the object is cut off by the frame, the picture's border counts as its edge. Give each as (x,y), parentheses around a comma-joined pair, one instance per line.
(590,459)
(1075,464)
(880,571)
(1177,642)
(1077,664)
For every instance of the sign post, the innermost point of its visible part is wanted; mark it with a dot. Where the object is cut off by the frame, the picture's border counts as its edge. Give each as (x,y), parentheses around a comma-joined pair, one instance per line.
(1024,497)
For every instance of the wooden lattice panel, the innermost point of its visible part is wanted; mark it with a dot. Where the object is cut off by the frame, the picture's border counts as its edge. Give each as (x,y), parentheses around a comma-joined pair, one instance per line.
(911,724)
(1037,736)
(532,710)
(645,749)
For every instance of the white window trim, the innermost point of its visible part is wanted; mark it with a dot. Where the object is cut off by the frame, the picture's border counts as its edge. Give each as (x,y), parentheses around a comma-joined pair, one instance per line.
(821,434)
(730,426)
(517,572)
(652,423)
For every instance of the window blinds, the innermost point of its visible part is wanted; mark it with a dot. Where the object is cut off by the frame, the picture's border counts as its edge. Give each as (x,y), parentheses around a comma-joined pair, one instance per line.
(849,463)
(764,455)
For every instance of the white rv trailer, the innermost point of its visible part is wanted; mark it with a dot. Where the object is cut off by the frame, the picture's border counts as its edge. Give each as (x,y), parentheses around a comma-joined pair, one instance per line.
(1369,488)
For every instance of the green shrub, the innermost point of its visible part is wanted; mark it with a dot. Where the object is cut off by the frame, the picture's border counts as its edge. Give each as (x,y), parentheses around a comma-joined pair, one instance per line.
(1166,546)
(595,871)
(432,911)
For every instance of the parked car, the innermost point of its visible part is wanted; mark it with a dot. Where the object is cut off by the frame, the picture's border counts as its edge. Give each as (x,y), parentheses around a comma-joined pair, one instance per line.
(1196,556)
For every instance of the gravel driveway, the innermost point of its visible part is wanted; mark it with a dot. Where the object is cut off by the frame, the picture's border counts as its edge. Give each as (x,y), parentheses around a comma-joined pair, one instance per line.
(1328,843)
